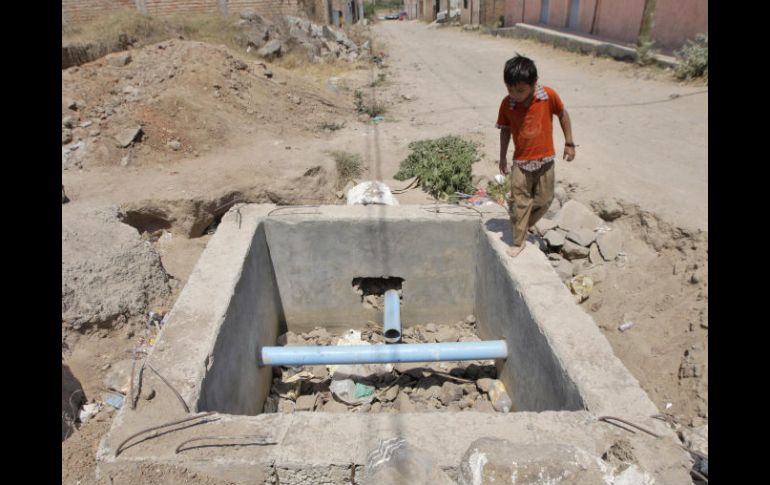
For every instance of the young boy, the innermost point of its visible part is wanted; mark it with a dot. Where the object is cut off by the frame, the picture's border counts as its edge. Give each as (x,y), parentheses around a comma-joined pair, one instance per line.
(525,116)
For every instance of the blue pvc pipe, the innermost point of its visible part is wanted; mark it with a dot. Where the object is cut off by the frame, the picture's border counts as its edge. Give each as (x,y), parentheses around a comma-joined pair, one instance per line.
(392,318)
(376,354)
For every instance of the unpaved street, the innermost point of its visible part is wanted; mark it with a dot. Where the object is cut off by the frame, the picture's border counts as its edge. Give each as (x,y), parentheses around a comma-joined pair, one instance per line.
(636,142)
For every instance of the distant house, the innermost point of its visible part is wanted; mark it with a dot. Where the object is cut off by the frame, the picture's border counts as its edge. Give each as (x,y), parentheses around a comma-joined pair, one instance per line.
(428,9)
(483,12)
(345,12)
(674,21)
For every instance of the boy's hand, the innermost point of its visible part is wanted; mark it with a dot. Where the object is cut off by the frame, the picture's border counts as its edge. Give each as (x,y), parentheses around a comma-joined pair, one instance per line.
(569,153)
(504,166)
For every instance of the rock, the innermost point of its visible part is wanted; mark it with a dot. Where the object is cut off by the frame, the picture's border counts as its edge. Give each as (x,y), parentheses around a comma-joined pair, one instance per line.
(696,277)
(376,407)
(286,406)
(594,256)
(447,334)
(575,216)
(268,73)
(560,194)
(305,403)
(66,137)
(389,395)
(329,34)
(544,225)
(239,65)
(431,327)
(334,407)
(470,319)
(609,210)
(270,50)
(610,244)
(554,238)
(483,406)
(583,237)
(127,136)
(696,438)
(148,394)
(64,198)
(450,392)
(397,462)
(484,384)
(174,145)
(68,122)
(553,209)
(252,16)
(427,389)
(404,404)
(499,461)
(119,60)
(295,99)
(108,272)
(94,133)
(86,124)
(572,251)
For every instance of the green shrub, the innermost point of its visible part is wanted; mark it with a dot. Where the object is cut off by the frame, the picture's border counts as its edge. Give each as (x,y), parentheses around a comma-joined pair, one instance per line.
(694,58)
(443,165)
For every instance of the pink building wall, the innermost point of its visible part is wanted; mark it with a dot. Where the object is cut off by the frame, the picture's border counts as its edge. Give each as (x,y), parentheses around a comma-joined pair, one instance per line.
(676,21)
(619,20)
(557,13)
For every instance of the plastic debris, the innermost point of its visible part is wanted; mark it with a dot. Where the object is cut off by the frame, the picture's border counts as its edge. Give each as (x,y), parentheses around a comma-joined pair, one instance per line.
(625,326)
(378,118)
(499,397)
(581,286)
(371,192)
(299,376)
(350,392)
(115,400)
(88,411)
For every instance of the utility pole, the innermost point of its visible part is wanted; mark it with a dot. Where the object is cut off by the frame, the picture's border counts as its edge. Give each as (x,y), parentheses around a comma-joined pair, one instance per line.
(648,20)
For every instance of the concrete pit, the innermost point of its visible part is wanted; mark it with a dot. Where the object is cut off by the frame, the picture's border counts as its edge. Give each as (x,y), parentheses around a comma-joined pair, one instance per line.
(280,271)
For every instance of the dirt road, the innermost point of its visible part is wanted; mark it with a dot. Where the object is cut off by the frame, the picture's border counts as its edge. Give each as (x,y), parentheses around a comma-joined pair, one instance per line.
(636,142)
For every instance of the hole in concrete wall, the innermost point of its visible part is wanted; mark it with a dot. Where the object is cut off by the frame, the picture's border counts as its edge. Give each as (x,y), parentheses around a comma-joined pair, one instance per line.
(212,228)
(372,289)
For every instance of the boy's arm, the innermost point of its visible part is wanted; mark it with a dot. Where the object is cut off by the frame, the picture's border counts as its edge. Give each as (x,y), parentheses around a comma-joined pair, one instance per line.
(505,140)
(566,127)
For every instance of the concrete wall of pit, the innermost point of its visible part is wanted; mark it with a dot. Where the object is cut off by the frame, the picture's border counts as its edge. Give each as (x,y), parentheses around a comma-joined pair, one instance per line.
(297,274)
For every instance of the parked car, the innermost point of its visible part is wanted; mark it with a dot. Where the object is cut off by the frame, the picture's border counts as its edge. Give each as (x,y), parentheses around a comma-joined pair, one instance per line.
(392,16)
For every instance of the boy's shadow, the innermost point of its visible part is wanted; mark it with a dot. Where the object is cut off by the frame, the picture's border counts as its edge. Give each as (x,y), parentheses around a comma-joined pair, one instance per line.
(502,226)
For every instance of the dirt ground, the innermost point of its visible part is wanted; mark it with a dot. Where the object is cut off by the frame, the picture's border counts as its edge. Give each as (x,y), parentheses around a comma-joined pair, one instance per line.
(217,130)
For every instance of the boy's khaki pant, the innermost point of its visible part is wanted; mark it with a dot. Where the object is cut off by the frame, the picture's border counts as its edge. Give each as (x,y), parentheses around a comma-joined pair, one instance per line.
(531,196)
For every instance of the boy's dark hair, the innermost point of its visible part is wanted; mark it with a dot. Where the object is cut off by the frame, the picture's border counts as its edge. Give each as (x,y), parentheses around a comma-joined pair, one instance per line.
(520,69)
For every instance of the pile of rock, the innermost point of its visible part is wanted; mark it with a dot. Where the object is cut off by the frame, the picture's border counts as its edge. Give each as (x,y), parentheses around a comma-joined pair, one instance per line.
(576,239)
(386,388)
(276,38)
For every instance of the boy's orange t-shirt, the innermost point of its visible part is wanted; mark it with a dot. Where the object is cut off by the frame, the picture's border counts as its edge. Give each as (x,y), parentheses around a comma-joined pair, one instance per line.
(531,127)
